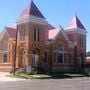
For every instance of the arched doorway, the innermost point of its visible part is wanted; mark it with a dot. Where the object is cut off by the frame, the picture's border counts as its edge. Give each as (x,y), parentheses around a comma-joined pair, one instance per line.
(59,54)
(35,52)
(22,58)
(36,60)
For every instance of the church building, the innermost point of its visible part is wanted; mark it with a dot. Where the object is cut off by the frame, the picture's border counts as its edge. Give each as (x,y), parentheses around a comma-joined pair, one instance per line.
(33,42)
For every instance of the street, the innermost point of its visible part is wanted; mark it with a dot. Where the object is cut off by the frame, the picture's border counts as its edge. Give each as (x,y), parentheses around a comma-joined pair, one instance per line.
(48,84)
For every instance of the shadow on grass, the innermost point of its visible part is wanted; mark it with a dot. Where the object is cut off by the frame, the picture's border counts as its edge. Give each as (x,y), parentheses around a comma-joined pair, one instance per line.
(66,75)
(60,76)
(49,76)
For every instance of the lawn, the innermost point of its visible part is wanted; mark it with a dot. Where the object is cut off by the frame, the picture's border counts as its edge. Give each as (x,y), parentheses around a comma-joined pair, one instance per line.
(38,76)
(45,76)
(74,75)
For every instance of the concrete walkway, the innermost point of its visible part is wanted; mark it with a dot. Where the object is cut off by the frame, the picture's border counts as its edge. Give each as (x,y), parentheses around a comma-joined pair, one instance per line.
(5,78)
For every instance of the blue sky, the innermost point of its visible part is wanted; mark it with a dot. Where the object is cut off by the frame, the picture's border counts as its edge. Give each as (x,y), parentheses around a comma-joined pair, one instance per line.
(57,12)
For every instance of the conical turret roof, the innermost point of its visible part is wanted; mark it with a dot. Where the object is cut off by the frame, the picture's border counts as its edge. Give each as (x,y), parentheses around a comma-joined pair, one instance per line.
(32,9)
(76,23)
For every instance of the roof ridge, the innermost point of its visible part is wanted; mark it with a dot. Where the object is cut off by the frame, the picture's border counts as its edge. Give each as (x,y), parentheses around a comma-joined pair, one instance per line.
(80,24)
(9,27)
(30,6)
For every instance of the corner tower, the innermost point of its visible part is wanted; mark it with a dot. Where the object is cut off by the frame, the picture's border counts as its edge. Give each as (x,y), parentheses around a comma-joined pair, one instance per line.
(77,33)
(30,34)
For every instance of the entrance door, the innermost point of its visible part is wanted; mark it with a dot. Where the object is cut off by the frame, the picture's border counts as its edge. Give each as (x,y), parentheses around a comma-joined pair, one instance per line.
(22,58)
(35,56)
(35,60)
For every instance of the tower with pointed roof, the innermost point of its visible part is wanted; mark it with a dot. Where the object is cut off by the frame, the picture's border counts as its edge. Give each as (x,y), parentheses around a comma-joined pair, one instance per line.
(31,26)
(38,46)
(77,33)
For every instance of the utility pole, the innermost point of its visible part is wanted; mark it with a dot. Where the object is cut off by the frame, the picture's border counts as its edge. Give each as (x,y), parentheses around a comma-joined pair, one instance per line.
(15,48)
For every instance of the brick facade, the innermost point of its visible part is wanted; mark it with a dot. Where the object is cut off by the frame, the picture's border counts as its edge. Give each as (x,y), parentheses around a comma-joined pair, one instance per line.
(58,49)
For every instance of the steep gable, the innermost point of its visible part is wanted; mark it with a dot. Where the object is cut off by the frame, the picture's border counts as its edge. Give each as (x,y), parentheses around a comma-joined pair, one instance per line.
(4,34)
(54,33)
(32,9)
(49,26)
(11,32)
(76,23)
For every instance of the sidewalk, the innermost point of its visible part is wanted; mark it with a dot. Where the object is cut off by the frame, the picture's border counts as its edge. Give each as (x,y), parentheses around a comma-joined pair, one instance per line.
(4,78)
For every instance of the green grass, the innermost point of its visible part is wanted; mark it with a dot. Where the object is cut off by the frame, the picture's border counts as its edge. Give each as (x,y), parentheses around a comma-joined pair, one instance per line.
(45,76)
(53,76)
(38,76)
(74,75)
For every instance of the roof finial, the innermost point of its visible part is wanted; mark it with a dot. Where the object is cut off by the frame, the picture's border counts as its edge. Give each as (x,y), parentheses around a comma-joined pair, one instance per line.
(61,27)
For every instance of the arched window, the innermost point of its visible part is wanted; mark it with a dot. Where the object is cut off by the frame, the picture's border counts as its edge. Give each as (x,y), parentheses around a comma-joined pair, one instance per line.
(5,45)
(5,57)
(36,35)
(22,34)
(22,62)
(60,48)
(60,54)
(5,51)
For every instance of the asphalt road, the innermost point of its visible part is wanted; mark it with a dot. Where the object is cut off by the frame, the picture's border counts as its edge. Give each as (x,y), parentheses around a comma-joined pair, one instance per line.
(50,84)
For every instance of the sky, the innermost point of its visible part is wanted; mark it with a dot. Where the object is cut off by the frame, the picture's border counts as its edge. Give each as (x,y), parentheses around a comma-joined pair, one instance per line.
(56,12)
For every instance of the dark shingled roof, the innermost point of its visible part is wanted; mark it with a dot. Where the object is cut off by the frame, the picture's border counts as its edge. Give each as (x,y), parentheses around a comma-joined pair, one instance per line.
(32,9)
(79,24)
(76,23)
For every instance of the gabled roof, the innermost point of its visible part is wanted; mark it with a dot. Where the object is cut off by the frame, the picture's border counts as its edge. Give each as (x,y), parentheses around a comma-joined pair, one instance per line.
(32,9)
(55,33)
(11,32)
(52,33)
(49,26)
(75,23)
